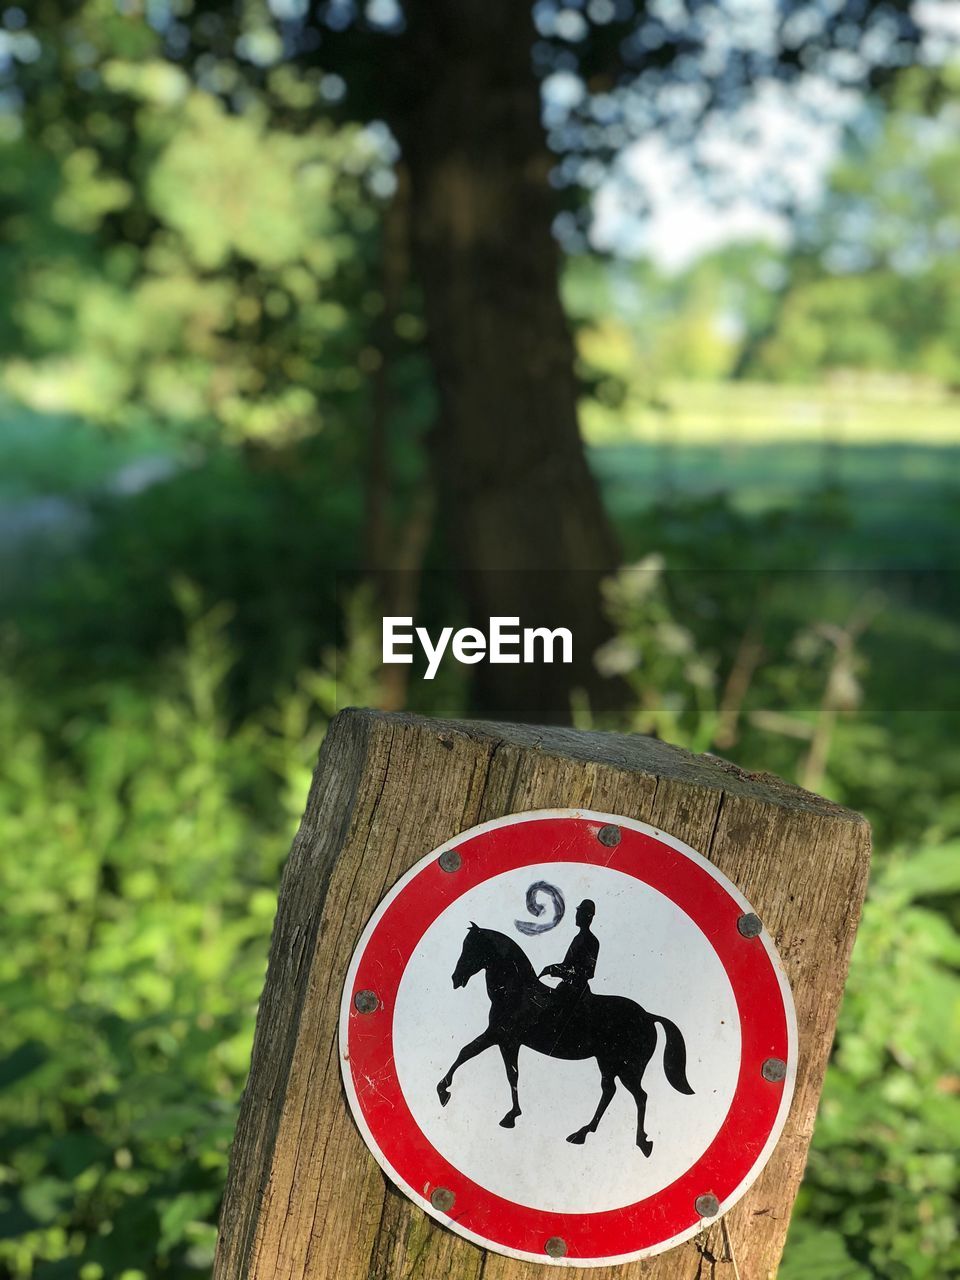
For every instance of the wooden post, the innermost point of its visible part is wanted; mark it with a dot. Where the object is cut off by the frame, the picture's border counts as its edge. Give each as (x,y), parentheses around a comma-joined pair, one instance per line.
(305,1199)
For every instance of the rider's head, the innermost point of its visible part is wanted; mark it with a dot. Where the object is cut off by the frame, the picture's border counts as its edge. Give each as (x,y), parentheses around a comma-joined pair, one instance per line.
(585,912)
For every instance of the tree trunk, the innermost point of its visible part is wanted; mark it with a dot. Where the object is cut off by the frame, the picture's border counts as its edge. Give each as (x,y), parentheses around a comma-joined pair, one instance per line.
(523,511)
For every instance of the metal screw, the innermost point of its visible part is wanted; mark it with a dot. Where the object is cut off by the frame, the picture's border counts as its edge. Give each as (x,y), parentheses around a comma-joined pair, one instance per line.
(450,860)
(609,836)
(707,1206)
(750,925)
(774,1070)
(442,1199)
(556,1247)
(366,1001)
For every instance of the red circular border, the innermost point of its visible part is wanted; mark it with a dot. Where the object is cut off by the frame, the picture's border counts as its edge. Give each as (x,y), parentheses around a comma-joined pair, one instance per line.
(756,1103)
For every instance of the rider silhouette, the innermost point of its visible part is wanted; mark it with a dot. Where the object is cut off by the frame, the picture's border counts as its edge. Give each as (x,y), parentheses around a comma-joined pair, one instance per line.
(580,962)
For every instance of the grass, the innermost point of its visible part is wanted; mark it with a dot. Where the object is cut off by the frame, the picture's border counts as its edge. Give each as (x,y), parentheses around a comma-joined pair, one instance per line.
(849,411)
(903,497)
(892,449)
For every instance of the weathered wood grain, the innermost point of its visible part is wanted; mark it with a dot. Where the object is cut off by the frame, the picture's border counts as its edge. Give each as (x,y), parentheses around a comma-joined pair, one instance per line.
(305,1199)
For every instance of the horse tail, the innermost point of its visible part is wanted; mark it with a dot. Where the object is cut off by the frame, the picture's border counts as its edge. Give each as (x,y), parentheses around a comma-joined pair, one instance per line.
(674,1056)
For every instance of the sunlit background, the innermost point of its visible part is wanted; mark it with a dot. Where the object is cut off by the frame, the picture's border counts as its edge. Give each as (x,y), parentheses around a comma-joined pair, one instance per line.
(222,415)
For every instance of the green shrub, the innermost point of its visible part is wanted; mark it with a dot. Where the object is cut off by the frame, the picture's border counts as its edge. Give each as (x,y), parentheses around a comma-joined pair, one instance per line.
(883,1179)
(143,828)
(142,849)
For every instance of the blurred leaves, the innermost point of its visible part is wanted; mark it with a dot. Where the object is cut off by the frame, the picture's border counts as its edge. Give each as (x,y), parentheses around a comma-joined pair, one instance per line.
(24,1059)
(144,845)
(882,1186)
(279,211)
(874,279)
(819,1255)
(883,1169)
(167,279)
(141,857)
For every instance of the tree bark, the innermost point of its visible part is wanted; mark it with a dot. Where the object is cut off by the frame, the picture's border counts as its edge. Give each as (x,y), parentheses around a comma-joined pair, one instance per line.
(524,513)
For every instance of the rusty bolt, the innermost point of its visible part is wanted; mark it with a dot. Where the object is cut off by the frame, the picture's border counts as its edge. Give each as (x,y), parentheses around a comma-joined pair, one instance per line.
(707,1206)
(750,925)
(366,1001)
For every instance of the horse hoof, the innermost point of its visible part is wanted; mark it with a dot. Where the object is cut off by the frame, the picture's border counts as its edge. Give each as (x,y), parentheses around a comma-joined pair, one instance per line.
(443,1094)
(578,1138)
(509,1121)
(645,1145)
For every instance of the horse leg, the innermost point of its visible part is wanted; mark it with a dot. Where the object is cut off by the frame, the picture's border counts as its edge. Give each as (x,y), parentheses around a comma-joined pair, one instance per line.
(509,1054)
(608,1087)
(632,1078)
(485,1040)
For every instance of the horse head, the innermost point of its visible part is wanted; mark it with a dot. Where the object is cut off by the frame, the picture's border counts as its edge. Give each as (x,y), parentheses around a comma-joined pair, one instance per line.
(473,957)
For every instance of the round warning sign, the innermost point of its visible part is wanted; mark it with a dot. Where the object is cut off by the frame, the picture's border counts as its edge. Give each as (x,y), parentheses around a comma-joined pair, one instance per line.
(568,1037)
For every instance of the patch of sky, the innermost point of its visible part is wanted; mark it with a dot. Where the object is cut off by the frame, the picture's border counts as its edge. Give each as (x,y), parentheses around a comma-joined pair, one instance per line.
(289,10)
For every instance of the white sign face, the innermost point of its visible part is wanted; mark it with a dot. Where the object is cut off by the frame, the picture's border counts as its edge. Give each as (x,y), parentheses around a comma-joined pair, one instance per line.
(649,952)
(567,1037)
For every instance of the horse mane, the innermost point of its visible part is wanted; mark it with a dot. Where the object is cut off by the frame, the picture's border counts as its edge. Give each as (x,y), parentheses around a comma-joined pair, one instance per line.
(511,953)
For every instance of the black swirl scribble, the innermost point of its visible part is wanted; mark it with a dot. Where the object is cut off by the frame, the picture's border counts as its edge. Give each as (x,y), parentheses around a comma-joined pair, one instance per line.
(537,908)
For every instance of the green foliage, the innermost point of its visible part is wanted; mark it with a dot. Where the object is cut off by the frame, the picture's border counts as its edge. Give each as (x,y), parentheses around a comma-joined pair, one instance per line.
(143,846)
(195,251)
(871,284)
(882,1187)
(640,328)
(277,213)
(874,284)
(148,788)
(819,1254)
(142,851)
(673,683)
(883,1172)
(229,311)
(52,455)
(264,537)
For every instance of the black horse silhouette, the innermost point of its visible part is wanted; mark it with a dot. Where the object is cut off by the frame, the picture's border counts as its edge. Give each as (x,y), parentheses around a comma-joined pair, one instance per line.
(524,1011)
